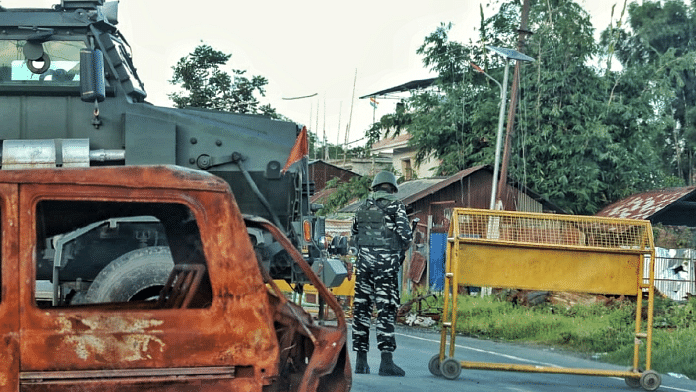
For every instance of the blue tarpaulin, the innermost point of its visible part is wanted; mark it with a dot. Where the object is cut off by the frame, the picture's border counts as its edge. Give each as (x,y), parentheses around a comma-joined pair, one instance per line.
(438,247)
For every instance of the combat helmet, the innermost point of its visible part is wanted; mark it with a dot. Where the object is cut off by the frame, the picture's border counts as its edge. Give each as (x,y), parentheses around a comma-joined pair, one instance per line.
(384,177)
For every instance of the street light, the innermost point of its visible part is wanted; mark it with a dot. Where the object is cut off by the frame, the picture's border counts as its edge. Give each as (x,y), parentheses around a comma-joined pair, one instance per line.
(508,54)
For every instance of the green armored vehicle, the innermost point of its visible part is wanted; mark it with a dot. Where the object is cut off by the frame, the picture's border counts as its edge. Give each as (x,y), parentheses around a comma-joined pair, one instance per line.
(70,96)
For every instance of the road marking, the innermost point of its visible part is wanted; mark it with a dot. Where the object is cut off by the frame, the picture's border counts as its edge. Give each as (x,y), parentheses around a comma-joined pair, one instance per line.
(512,357)
(676,389)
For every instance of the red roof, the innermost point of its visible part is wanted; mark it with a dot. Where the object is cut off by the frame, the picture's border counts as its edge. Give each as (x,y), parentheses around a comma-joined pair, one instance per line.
(644,205)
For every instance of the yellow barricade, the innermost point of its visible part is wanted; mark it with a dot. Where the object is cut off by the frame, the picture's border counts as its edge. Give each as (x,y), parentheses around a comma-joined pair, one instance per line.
(551,252)
(347,287)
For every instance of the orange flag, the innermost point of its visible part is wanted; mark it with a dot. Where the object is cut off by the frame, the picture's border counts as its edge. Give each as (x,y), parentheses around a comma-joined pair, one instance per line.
(299,150)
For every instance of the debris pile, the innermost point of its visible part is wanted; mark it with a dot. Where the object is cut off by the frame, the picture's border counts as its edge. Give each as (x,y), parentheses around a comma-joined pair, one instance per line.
(421,311)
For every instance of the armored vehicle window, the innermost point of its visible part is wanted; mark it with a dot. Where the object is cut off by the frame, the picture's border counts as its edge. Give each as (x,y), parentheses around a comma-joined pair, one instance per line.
(54,62)
(126,255)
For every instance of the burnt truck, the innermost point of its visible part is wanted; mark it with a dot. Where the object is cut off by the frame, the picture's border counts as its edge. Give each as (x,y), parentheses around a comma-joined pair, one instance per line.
(218,323)
(70,96)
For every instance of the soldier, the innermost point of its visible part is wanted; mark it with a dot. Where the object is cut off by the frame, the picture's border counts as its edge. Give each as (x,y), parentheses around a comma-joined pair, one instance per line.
(381,231)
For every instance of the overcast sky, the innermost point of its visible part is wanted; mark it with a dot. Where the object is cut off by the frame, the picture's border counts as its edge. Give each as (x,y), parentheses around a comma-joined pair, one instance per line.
(302,47)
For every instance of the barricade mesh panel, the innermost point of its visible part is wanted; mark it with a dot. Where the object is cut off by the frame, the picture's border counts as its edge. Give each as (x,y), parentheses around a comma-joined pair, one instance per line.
(552,229)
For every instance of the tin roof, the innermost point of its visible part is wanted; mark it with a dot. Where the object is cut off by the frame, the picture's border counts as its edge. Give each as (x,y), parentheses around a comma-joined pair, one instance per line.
(647,204)
(419,190)
(317,162)
(414,190)
(408,86)
(392,142)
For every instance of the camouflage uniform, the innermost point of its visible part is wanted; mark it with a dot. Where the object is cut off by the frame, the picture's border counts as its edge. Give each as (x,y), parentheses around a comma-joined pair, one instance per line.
(377,276)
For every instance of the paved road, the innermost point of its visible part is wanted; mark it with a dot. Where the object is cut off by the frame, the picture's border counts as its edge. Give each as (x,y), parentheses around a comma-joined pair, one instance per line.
(416,347)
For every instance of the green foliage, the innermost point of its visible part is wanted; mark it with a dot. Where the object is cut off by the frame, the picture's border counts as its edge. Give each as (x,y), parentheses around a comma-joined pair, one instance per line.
(207,86)
(584,137)
(674,339)
(660,43)
(584,328)
(390,124)
(671,314)
(674,237)
(588,329)
(357,188)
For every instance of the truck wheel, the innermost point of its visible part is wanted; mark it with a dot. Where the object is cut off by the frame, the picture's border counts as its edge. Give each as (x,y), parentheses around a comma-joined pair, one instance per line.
(136,275)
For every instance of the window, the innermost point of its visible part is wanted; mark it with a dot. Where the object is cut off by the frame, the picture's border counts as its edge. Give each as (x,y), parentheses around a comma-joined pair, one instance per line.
(59,63)
(407,169)
(124,254)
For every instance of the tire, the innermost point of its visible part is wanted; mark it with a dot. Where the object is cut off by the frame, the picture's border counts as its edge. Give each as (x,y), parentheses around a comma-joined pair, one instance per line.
(650,380)
(633,382)
(434,365)
(138,274)
(450,368)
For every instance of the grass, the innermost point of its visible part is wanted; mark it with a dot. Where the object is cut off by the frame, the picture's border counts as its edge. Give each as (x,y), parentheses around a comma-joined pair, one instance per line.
(602,331)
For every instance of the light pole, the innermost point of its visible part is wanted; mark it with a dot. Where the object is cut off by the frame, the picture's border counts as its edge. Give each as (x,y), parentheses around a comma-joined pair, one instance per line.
(508,54)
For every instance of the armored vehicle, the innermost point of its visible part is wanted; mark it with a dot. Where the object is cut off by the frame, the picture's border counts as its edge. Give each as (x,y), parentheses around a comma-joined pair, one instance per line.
(70,96)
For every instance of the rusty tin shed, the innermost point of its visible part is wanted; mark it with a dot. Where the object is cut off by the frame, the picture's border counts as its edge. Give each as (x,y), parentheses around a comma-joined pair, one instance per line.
(670,207)
(470,188)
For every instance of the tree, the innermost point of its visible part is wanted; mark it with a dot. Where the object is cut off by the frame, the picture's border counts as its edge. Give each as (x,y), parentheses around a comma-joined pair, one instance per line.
(207,86)
(659,45)
(588,136)
(356,188)
(584,136)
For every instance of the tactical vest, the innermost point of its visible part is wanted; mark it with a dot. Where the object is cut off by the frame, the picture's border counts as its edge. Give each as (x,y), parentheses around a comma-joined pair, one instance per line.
(371,221)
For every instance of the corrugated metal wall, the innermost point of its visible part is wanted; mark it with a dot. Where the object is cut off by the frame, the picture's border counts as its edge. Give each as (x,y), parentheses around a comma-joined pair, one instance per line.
(674,272)
(527,204)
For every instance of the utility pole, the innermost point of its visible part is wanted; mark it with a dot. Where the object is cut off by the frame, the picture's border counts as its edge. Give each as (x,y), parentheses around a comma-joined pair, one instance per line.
(523,32)
(326,142)
(350,118)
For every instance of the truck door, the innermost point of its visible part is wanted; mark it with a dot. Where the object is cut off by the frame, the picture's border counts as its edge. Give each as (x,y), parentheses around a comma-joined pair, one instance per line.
(9,295)
(172,334)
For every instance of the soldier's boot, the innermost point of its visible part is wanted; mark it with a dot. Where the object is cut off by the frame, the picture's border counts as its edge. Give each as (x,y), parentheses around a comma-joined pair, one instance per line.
(361,366)
(388,368)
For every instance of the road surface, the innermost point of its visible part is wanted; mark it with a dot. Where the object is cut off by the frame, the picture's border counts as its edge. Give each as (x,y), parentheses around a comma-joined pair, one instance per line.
(416,347)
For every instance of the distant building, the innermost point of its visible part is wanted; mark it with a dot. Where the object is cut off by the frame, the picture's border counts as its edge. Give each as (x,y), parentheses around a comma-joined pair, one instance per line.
(470,188)
(403,157)
(368,166)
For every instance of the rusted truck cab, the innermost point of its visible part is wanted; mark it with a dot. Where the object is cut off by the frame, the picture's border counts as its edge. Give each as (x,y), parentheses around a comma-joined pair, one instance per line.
(219,323)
